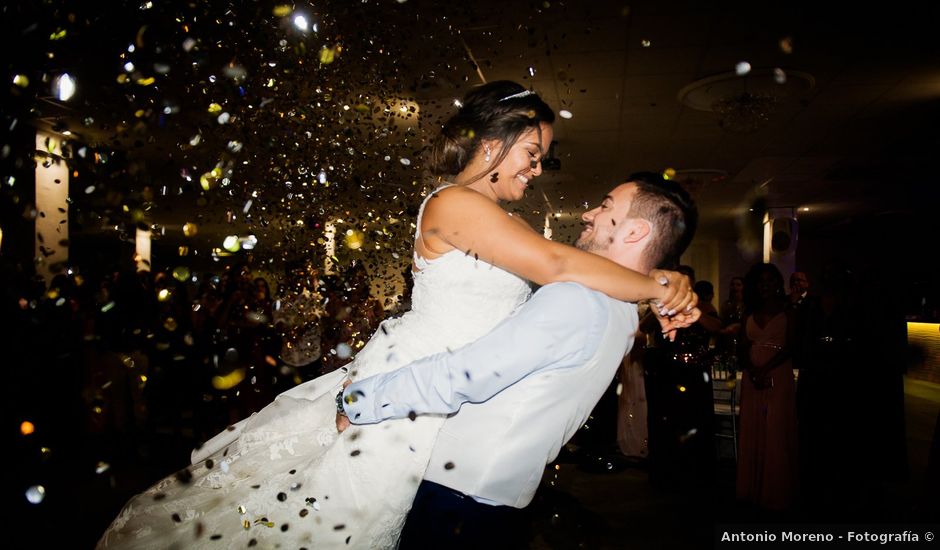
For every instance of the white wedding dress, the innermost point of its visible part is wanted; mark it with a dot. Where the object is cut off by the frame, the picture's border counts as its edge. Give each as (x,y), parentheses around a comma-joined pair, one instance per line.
(284,478)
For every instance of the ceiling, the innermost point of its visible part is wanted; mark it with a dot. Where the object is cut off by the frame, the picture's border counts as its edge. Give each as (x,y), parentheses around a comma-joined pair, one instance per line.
(851,136)
(859,140)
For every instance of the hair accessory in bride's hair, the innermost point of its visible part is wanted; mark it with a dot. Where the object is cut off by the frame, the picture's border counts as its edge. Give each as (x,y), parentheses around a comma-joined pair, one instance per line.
(523,93)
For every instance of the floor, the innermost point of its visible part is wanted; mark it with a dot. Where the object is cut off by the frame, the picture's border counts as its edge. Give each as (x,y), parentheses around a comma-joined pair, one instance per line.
(575,508)
(620,509)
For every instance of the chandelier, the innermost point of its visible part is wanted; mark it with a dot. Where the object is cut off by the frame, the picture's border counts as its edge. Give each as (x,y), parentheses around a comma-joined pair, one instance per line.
(745,112)
(746,103)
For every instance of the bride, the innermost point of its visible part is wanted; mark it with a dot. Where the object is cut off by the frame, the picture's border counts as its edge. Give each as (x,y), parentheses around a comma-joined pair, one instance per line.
(284,477)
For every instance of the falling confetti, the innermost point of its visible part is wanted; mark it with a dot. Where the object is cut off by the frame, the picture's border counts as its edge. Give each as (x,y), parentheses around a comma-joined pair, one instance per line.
(64,87)
(343,350)
(35,494)
(284,138)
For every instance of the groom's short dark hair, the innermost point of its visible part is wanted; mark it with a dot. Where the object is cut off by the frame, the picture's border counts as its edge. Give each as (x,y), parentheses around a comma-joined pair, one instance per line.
(671,211)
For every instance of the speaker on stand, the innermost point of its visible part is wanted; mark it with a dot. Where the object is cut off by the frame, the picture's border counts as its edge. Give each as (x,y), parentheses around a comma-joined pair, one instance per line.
(781,232)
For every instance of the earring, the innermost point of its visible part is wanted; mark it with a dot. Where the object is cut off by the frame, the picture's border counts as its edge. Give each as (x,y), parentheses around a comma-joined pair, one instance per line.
(494,177)
(486,153)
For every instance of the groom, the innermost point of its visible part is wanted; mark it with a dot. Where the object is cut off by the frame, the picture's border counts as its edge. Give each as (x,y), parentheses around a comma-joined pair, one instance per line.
(525,388)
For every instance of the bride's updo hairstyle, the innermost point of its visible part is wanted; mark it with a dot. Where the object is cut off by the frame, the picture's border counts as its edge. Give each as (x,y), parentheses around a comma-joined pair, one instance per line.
(502,110)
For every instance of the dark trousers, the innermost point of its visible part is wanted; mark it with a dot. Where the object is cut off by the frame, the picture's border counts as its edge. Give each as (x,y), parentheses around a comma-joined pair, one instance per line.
(443,518)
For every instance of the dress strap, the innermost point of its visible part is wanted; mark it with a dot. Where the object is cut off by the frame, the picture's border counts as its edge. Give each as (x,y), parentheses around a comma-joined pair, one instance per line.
(425,203)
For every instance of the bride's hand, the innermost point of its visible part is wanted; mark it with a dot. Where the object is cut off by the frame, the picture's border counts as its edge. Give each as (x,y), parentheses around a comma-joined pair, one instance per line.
(678,296)
(669,325)
(342,421)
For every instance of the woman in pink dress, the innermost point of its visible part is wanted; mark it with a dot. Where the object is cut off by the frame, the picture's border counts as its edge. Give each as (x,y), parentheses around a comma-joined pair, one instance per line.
(767,457)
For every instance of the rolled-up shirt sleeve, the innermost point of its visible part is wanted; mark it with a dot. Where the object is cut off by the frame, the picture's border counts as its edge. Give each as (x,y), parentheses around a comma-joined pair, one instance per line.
(561,326)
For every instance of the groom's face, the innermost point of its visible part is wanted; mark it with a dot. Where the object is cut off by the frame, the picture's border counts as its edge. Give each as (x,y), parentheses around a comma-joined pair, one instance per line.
(602,224)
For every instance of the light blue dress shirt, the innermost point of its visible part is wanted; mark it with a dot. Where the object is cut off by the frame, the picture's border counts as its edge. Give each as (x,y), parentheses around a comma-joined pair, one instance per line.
(560,327)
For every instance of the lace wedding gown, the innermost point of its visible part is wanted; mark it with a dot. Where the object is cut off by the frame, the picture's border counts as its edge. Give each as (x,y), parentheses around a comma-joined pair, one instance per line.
(284,477)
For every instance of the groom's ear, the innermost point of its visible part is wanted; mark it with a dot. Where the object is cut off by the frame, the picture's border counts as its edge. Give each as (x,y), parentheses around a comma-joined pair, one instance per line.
(635,229)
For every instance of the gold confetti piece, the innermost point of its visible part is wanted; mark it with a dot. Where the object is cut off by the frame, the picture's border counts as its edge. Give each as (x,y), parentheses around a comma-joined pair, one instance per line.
(139,40)
(214,108)
(282,10)
(354,239)
(210,180)
(231,243)
(328,54)
(229,380)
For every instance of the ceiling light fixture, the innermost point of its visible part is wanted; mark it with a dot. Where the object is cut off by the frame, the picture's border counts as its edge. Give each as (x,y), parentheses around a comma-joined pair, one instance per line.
(694,180)
(746,103)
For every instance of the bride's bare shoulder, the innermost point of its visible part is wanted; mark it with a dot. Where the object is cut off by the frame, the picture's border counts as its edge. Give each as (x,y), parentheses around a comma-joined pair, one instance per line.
(453,192)
(459,197)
